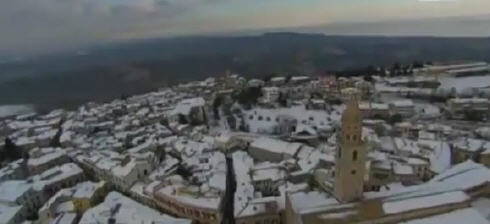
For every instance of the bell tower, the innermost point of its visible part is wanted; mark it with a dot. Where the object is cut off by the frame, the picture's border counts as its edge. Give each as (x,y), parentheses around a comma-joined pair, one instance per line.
(351,155)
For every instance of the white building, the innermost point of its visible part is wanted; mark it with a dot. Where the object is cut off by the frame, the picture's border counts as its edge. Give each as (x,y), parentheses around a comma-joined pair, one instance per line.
(458,106)
(285,120)
(42,159)
(13,171)
(256,83)
(270,94)
(56,178)
(130,171)
(273,150)
(191,110)
(406,108)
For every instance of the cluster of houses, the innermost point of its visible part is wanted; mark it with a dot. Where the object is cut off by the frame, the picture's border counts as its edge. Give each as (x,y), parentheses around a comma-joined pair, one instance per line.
(308,150)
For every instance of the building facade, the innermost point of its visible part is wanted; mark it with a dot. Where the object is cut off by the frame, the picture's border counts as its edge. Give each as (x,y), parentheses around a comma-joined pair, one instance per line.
(351,156)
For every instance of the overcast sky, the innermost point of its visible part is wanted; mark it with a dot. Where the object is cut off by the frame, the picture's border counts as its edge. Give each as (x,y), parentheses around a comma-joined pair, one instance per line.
(43,25)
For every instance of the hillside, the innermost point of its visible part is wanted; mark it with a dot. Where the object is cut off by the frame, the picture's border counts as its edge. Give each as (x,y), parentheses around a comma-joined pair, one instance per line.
(105,72)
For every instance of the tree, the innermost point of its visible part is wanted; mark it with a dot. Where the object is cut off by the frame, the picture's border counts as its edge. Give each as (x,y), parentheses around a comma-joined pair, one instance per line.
(418,64)
(395,118)
(248,96)
(164,122)
(368,78)
(55,142)
(472,115)
(370,70)
(396,69)
(282,100)
(335,101)
(243,126)
(312,183)
(182,119)
(181,170)
(216,104)
(12,152)
(397,66)
(268,78)
(380,129)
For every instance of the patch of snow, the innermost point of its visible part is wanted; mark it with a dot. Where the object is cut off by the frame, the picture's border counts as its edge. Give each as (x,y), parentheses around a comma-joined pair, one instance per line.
(394,207)
(11,110)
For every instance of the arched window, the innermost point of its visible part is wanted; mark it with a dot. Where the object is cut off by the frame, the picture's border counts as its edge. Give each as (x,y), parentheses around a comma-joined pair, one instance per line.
(339,152)
(354,155)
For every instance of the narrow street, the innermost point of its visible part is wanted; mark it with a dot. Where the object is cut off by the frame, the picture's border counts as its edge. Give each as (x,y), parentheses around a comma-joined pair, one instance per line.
(228,203)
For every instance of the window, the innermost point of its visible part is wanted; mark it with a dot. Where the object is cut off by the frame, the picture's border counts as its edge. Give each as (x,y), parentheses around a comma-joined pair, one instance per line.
(268,119)
(354,155)
(353,172)
(250,117)
(347,137)
(260,118)
(339,152)
(354,137)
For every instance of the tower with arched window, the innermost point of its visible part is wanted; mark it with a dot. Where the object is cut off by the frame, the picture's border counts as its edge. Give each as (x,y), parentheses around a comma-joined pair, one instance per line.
(351,155)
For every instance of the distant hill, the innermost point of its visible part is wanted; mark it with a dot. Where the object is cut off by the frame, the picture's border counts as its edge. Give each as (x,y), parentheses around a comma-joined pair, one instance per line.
(106,72)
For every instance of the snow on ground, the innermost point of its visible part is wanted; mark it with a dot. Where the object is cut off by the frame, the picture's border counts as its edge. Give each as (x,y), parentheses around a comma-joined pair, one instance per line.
(10,110)
(440,159)
(426,110)
(462,83)
(482,205)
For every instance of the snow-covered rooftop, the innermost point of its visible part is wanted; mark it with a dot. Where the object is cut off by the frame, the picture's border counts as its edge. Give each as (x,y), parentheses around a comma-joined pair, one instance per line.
(185,106)
(56,174)
(265,120)
(123,209)
(276,146)
(465,215)
(45,155)
(464,176)
(87,189)
(425,201)
(8,212)
(11,191)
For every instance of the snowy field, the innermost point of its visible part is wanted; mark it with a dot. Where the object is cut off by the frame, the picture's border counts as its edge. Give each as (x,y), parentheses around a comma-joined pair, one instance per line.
(462,83)
(9,110)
